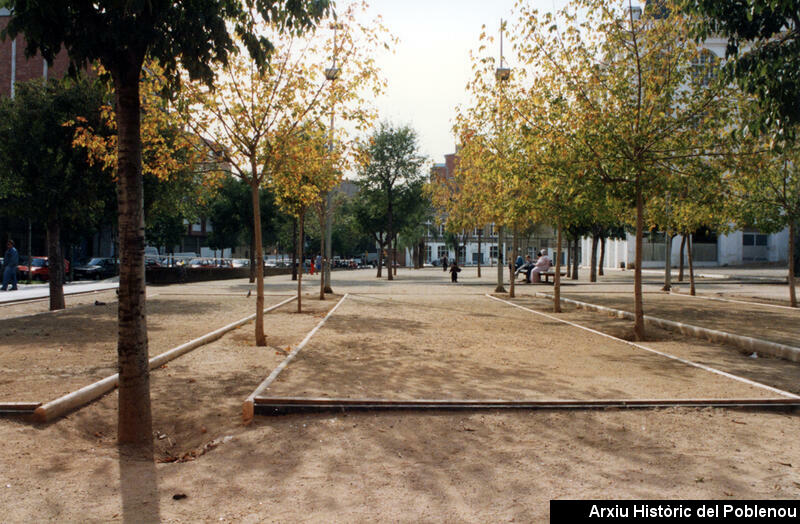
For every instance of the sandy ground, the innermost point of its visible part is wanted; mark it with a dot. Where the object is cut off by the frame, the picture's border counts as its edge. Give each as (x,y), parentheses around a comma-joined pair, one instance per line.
(416,337)
(50,354)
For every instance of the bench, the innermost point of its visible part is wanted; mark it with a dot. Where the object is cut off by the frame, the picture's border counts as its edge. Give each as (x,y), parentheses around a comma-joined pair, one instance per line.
(536,278)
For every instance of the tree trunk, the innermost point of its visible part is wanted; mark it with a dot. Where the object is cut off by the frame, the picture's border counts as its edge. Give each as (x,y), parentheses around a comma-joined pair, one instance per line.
(557,276)
(327,255)
(294,249)
(381,244)
(512,262)
(569,258)
(680,264)
(55,265)
(252,257)
(638,306)
(575,261)
(394,256)
(322,257)
(261,339)
(691,266)
(72,262)
(135,422)
(421,253)
(593,269)
(602,255)
(390,233)
(499,288)
(792,290)
(480,231)
(300,243)
(667,263)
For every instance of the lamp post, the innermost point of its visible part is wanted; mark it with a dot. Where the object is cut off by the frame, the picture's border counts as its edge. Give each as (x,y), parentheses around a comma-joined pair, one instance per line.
(331,74)
(501,75)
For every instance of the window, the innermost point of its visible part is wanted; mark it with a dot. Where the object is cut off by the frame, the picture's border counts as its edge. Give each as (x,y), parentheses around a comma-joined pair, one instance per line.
(428,253)
(704,67)
(761,240)
(442,251)
(493,251)
(748,239)
(462,253)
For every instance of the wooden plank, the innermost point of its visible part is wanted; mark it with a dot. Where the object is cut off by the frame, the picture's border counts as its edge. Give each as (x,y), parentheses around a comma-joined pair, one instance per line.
(248,406)
(276,405)
(18,408)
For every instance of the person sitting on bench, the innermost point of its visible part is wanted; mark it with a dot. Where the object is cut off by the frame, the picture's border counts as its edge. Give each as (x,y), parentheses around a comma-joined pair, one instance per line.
(543,264)
(526,268)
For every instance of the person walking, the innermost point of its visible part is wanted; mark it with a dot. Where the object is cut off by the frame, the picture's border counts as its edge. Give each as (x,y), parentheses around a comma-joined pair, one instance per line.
(454,271)
(444,262)
(10,263)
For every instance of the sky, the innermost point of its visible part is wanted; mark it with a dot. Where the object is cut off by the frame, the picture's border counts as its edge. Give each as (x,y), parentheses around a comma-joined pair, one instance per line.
(430,67)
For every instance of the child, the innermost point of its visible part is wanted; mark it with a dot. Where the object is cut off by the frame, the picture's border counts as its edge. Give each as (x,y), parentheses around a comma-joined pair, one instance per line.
(454,271)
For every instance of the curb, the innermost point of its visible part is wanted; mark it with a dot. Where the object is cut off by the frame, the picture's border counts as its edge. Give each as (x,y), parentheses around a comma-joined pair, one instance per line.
(748,343)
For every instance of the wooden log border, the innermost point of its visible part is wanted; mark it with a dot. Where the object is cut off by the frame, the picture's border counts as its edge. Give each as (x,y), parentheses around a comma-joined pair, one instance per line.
(282,406)
(18,408)
(248,407)
(747,343)
(71,401)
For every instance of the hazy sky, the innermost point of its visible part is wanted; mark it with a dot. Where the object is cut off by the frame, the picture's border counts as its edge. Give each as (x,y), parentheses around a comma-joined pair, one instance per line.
(430,68)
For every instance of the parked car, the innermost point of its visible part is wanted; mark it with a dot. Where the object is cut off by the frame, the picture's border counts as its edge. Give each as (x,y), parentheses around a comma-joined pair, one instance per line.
(200,262)
(39,268)
(97,269)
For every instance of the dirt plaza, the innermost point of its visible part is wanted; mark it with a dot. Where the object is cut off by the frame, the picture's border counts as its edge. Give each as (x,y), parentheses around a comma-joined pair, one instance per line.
(418,337)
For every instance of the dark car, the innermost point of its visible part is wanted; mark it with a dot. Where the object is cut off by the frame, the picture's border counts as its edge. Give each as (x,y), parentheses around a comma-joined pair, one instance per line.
(40,269)
(97,269)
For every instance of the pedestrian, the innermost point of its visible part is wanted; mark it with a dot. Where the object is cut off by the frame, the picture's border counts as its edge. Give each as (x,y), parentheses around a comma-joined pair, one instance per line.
(444,262)
(311,268)
(454,271)
(10,262)
(319,264)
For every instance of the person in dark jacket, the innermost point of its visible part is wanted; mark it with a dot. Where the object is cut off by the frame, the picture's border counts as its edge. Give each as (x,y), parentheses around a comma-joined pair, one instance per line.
(10,263)
(454,271)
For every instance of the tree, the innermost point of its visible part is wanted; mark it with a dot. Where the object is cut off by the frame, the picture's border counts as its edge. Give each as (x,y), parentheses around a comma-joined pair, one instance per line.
(765,190)
(633,96)
(762,58)
(369,212)
(308,172)
(192,33)
(40,168)
(231,215)
(390,160)
(253,117)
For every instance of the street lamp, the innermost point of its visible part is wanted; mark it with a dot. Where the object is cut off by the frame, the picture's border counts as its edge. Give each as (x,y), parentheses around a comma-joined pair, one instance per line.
(331,74)
(501,75)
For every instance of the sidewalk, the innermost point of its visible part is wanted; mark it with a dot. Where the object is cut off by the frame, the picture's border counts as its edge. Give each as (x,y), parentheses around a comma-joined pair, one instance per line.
(34,291)
(771,273)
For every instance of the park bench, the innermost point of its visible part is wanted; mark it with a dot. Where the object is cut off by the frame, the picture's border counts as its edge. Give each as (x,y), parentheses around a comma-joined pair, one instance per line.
(536,278)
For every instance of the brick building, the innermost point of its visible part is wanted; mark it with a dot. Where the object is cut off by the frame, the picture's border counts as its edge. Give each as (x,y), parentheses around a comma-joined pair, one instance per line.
(15,67)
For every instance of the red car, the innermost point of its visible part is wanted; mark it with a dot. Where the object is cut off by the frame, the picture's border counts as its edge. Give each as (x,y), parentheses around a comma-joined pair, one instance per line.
(40,269)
